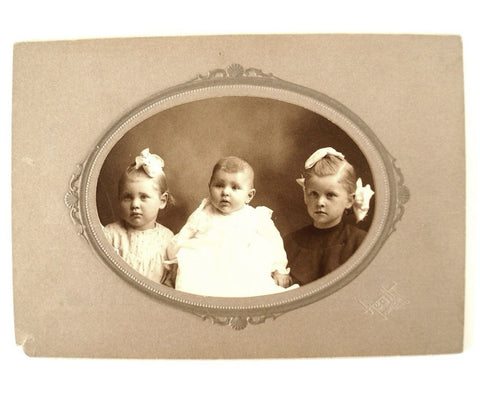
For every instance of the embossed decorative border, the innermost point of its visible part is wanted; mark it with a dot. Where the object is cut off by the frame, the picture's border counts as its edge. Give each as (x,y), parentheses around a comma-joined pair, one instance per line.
(72,199)
(238,313)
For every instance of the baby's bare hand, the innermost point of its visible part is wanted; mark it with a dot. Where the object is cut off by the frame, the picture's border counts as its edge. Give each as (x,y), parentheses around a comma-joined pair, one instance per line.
(283,280)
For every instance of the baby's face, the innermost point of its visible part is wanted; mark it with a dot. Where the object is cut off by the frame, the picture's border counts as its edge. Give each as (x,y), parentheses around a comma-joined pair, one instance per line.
(140,202)
(230,191)
(326,200)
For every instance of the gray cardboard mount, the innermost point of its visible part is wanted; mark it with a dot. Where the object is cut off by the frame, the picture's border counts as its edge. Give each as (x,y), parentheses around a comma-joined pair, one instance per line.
(408,89)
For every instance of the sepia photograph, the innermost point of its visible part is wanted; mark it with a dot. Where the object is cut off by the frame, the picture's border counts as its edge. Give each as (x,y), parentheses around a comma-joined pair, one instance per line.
(231,197)
(241,196)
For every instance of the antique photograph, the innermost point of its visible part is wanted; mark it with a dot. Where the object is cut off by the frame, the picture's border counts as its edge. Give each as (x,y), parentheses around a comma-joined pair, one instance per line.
(247,187)
(185,156)
(216,200)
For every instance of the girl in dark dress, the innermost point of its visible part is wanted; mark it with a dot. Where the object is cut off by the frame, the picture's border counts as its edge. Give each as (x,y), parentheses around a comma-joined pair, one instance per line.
(330,188)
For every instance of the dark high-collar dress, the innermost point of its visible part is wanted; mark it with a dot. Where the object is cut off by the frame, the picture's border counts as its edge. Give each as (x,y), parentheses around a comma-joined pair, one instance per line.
(313,253)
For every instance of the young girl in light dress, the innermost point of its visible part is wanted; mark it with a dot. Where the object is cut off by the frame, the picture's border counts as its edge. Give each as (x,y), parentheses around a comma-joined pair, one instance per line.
(137,237)
(330,189)
(228,248)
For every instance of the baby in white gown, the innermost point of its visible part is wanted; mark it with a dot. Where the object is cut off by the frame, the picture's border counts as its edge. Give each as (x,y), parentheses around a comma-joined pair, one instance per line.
(228,248)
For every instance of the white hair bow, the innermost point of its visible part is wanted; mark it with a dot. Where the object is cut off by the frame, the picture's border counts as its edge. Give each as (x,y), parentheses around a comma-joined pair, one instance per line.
(361,205)
(317,156)
(320,154)
(152,164)
(363,194)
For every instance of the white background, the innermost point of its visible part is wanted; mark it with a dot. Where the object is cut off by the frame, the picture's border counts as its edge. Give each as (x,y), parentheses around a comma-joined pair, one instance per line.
(46,20)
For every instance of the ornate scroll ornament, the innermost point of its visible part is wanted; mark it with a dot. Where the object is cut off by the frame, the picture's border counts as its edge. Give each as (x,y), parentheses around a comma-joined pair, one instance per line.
(72,200)
(403,196)
(239,313)
(233,71)
(238,322)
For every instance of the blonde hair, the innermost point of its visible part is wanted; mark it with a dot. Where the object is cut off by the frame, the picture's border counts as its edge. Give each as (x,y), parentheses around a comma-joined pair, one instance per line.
(159,181)
(332,165)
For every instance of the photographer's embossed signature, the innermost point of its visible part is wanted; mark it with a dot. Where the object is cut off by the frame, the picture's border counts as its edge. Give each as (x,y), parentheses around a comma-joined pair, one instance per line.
(389,301)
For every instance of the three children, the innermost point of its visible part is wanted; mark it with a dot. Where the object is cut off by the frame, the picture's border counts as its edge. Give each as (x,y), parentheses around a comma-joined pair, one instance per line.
(227,248)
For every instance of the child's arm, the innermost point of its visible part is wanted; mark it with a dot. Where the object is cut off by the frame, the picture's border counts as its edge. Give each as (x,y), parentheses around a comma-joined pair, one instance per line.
(172,250)
(113,232)
(267,229)
(188,231)
(169,274)
(283,280)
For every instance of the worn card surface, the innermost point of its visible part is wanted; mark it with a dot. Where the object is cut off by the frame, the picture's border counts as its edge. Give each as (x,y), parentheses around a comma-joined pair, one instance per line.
(84,110)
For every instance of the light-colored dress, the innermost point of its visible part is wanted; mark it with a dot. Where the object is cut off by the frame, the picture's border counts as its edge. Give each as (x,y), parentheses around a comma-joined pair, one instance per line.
(144,251)
(229,255)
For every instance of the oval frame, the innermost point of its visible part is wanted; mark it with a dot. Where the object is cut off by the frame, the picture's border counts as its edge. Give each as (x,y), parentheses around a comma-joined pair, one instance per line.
(390,194)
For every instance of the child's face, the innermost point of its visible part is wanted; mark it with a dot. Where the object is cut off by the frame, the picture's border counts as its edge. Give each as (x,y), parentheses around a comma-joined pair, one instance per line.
(326,200)
(230,191)
(140,202)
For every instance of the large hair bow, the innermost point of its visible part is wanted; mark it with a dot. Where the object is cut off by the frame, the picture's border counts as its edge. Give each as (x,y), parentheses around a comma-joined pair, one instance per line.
(152,164)
(317,156)
(363,194)
(320,154)
(361,204)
